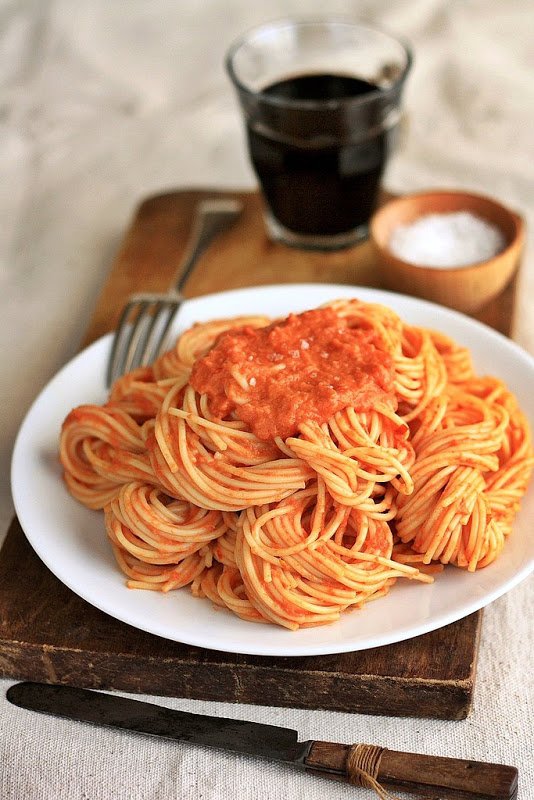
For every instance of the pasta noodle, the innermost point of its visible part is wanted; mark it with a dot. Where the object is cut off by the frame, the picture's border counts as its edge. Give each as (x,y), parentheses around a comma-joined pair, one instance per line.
(291,470)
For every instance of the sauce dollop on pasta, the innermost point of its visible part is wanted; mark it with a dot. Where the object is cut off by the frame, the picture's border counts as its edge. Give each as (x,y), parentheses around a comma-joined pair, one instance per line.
(304,368)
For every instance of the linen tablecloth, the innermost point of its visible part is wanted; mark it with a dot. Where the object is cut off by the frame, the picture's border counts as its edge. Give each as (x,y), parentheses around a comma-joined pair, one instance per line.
(104,103)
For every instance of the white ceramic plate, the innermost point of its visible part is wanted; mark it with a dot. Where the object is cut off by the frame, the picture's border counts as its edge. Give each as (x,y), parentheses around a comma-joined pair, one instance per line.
(72,543)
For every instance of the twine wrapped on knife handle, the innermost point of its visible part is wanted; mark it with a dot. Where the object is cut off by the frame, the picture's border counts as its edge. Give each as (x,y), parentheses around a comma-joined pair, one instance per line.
(360,764)
(363,765)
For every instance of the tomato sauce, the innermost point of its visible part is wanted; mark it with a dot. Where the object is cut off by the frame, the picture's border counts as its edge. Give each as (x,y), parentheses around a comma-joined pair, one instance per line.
(304,368)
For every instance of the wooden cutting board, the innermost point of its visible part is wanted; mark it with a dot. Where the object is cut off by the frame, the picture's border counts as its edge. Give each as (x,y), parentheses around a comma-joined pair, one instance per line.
(47,633)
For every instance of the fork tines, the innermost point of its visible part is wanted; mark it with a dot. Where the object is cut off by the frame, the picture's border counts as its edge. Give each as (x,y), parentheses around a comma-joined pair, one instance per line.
(141,332)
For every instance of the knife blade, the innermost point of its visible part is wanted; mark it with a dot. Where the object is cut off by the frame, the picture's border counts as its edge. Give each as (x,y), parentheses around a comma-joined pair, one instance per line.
(452,778)
(114,711)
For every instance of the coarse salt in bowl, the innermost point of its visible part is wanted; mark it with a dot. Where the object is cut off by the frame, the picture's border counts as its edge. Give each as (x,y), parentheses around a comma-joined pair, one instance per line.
(451,247)
(453,239)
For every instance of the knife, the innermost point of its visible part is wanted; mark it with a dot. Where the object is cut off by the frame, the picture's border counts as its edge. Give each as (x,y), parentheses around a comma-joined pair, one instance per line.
(362,765)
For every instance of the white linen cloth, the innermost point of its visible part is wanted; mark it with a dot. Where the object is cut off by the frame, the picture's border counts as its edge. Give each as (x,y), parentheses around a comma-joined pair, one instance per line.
(104,103)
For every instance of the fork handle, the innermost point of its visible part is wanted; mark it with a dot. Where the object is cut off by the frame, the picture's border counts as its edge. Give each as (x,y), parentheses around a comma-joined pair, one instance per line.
(212,217)
(431,776)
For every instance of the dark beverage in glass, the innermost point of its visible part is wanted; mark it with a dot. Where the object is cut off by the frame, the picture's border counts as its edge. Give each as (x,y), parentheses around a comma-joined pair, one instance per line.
(321,102)
(325,189)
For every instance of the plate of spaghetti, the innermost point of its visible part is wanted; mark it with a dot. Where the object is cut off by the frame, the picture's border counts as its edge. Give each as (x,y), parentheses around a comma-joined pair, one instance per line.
(299,451)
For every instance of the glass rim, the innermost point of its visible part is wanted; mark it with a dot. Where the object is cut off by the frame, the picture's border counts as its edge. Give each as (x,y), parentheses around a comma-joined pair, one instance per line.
(296,22)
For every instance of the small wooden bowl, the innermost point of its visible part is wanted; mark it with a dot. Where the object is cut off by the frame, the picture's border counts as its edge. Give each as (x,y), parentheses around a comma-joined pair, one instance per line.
(465,288)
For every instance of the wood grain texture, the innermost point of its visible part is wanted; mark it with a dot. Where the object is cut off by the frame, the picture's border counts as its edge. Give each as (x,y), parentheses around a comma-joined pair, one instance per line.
(243,256)
(417,773)
(47,633)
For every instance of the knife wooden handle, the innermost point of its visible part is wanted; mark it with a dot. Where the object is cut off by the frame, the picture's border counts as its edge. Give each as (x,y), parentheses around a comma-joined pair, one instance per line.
(432,776)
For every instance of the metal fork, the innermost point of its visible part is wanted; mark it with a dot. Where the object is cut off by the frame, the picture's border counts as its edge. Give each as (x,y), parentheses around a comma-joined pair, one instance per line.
(146,319)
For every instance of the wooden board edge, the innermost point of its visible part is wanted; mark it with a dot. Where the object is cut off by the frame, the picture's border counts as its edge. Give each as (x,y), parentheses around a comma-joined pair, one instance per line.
(455,695)
(361,694)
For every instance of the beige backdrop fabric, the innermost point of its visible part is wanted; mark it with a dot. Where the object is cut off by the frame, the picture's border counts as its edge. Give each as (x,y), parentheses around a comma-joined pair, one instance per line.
(104,103)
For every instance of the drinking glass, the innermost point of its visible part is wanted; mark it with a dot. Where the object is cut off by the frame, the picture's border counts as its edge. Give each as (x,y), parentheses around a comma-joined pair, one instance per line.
(321,101)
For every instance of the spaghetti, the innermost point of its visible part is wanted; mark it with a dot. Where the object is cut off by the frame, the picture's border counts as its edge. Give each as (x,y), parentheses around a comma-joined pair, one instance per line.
(291,470)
